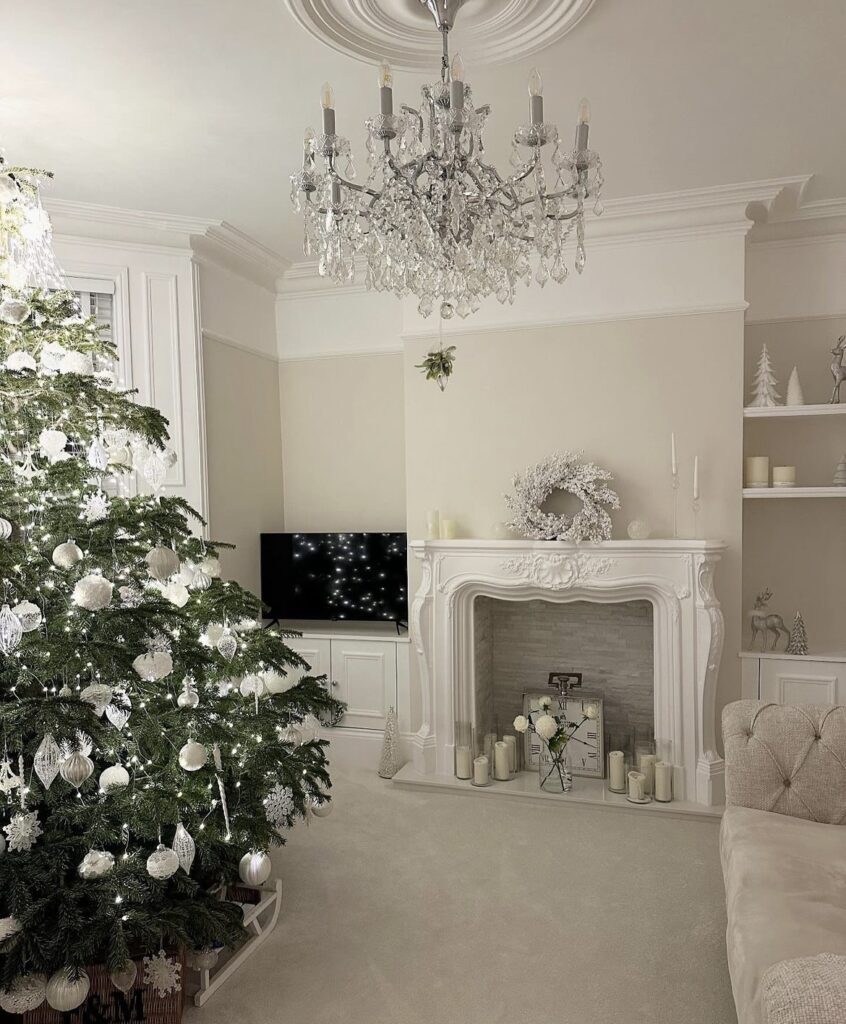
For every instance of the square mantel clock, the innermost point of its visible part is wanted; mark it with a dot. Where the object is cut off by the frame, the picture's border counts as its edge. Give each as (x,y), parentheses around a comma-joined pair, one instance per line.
(587,753)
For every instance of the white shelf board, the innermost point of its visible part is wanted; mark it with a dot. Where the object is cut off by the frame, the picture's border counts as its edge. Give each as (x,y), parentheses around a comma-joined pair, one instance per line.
(837,656)
(777,411)
(794,492)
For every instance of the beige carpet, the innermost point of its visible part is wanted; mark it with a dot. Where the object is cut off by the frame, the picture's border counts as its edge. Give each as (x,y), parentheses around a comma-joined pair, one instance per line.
(404,907)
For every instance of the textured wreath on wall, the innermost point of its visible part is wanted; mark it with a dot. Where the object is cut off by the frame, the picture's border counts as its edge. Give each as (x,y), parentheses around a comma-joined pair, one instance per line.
(563,471)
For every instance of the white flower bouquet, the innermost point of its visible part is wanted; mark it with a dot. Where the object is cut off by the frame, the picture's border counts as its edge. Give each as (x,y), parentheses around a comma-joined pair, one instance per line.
(555,730)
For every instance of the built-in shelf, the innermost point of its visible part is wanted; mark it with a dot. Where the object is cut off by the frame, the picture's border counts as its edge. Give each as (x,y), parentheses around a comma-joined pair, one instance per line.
(793,410)
(794,492)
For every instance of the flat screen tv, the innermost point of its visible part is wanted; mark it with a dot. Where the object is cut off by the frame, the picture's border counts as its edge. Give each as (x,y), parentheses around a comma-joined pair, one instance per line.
(355,576)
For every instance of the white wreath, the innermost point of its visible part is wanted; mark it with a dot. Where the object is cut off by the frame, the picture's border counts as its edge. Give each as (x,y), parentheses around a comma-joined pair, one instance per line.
(563,471)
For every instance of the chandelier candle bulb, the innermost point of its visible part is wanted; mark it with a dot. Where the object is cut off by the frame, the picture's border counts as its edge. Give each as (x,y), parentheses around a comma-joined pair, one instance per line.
(536,97)
(463,763)
(456,87)
(502,771)
(481,772)
(583,127)
(327,101)
(663,782)
(386,92)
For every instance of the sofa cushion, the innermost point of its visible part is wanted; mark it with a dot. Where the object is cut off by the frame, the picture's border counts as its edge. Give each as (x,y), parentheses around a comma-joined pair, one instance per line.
(785,882)
(811,990)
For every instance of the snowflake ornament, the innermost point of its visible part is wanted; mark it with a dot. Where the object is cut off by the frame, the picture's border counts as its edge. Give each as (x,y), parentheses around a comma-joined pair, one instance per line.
(23,830)
(279,805)
(95,507)
(163,973)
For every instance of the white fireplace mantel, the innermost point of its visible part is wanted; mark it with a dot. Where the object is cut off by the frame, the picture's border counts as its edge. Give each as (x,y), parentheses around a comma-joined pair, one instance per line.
(676,576)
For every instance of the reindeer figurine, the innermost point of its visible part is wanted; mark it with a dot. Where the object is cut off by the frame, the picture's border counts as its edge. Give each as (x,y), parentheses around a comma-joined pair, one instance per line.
(838,371)
(764,623)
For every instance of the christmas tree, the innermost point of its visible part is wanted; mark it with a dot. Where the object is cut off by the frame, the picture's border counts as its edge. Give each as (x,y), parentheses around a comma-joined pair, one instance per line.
(151,743)
(765,394)
(798,643)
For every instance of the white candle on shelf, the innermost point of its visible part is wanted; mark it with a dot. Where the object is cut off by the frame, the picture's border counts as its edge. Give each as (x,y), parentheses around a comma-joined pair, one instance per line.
(512,752)
(757,471)
(646,765)
(449,529)
(617,771)
(663,781)
(502,770)
(784,476)
(433,524)
(481,774)
(637,788)
(463,763)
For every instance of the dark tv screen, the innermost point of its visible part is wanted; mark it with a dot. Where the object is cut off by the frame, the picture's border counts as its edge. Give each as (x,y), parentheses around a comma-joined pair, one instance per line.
(356,576)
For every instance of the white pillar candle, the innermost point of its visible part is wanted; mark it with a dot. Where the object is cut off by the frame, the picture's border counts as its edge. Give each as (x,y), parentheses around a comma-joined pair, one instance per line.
(481,774)
(674,462)
(512,752)
(449,529)
(758,471)
(463,763)
(637,782)
(784,476)
(617,770)
(501,762)
(646,765)
(663,781)
(433,524)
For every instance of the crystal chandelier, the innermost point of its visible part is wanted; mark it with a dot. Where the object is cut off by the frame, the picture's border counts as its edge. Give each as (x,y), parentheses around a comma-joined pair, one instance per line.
(434,218)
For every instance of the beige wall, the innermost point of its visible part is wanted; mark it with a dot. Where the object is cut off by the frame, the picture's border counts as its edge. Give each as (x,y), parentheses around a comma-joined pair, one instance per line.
(245,454)
(343,440)
(797,548)
(617,390)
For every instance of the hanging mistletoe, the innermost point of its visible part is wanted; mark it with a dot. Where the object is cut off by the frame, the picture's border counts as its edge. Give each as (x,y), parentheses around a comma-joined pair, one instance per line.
(438,365)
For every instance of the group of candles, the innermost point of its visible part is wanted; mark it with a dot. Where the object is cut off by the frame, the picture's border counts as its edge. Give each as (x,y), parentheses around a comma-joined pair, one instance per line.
(499,761)
(758,473)
(440,529)
(651,778)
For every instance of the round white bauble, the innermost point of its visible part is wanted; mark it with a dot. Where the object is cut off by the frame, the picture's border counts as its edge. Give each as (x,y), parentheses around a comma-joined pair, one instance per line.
(114,777)
(8,926)
(5,529)
(213,633)
(11,630)
(168,456)
(275,682)
(64,993)
(162,863)
(14,311)
(29,614)
(310,728)
(98,695)
(153,666)
(52,355)
(185,576)
(9,190)
(76,768)
(51,442)
(96,864)
(189,698)
(292,735)
(201,580)
(252,686)
(193,756)
(123,978)
(77,362)
(203,959)
(210,566)
(639,529)
(66,555)
(162,562)
(21,360)
(318,807)
(177,594)
(93,592)
(122,458)
(26,993)
(255,868)
(247,625)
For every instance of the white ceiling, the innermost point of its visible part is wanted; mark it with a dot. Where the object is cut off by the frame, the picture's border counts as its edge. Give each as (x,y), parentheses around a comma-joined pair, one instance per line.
(198,108)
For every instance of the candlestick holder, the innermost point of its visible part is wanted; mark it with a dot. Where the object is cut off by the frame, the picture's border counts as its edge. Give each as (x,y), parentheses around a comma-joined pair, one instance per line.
(676,484)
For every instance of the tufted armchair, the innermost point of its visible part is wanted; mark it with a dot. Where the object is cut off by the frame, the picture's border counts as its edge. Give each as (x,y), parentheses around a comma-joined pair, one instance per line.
(784,858)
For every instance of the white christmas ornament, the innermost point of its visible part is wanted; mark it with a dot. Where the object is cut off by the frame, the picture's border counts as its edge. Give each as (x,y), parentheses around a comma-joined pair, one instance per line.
(176,593)
(51,442)
(120,458)
(76,768)
(211,567)
(29,615)
(95,507)
(5,529)
(65,992)
(9,926)
(52,355)
(66,555)
(98,695)
(114,777)
(279,805)
(23,830)
(184,847)
(162,863)
(201,580)
(162,562)
(291,735)
(8,779)
(275,682)
(153,666)
(96,864)
(213,632)
(98,457)
(319,807)
(189,698)
(252,686)
(123,978)
(93,592)
(255,868)
(118,714)
(14,311)
(26,993)
(154,471)
(47,759)
(77,362)
(162,973)
(11,630)
(227,645)
(193,756)
(20,360)
(185,576)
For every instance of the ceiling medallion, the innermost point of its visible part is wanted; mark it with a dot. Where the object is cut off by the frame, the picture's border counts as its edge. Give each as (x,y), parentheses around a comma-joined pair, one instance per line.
(502,30)
(433,218)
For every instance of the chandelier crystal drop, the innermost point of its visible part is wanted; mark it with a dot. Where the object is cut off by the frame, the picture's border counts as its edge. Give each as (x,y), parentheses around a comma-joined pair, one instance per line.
(434,218)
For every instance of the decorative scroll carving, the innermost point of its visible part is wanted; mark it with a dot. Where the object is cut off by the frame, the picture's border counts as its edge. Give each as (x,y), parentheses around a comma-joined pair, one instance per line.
(559,571)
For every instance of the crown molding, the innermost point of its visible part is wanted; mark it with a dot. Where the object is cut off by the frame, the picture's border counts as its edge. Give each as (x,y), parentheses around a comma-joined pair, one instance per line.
(215,242)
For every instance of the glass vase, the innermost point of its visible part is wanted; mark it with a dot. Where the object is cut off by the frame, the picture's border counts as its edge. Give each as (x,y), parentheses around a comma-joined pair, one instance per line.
(554,774)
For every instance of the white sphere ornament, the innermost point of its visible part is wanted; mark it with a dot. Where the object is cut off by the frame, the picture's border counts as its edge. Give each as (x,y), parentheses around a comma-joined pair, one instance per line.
(9,926)
(211,567)
(93,592)
(291,735)
(193,756)
(162,863)
(153,666)
(123,978)
(51,442)
(96,864)
(26,993)
(162,562)
(64,992)
(11,630)
(252,686)
(189,698)
(29,614)
(77,362)
(114,777)
(177,594)
(255,868)
(66,555)
(76,768)
(201,580)
(14,311)
(275,682)
(20,360)
(52,355)
(639,529)
(5,529)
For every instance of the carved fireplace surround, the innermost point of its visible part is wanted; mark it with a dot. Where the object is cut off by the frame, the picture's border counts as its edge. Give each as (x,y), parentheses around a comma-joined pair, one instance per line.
(676,576)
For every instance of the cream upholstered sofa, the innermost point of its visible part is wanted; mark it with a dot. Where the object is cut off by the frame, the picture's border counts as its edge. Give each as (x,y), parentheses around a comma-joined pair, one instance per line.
(784,861)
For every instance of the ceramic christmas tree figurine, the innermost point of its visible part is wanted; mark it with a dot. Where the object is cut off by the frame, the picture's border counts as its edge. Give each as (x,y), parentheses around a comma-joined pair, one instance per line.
(764,393)
(148,729)
(794,389)
(840,473)
(391,761)
(798,643)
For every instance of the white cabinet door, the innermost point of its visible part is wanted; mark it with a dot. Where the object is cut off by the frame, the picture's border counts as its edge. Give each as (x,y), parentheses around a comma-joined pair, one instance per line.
(795,681)
(365,673)
(316,652)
